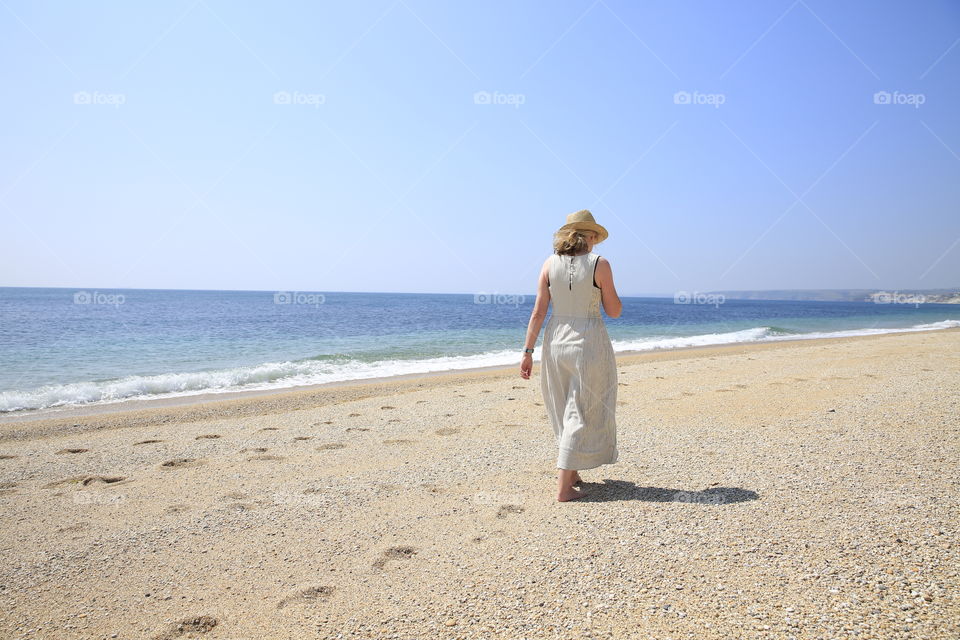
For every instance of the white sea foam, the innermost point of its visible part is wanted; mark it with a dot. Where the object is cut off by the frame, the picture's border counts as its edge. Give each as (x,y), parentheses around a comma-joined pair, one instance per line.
(762,334)
(270,375)
(276,375)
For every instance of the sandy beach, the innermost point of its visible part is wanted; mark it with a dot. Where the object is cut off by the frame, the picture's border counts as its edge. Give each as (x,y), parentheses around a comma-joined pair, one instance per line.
(803,489)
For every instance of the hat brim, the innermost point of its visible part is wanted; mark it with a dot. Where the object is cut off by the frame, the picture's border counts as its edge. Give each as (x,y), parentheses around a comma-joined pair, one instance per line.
(587,226)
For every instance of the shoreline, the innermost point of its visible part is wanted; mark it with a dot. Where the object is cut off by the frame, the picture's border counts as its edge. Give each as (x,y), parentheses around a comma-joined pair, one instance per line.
(181,399)
(144,411)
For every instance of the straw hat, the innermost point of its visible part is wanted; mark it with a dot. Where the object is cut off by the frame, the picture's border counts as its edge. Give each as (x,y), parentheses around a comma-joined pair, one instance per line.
(583,219)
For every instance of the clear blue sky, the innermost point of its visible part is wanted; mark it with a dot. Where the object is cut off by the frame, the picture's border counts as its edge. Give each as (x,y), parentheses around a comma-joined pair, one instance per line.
(145,145)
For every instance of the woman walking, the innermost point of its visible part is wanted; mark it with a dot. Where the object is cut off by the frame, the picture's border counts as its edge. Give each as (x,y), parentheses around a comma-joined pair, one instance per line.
(579,372)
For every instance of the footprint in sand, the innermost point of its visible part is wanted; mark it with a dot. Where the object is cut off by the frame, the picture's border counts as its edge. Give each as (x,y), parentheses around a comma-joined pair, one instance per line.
(306,596)
(147,442)
(506,509)
(8,487)
(304,438)
(446,431)
(254,450)
(92,480)
(207,436)
(358,429)
(85,481)
(386,406)
(394,420)
(420,401)
(187,627)
(7,456)
(516,386)
(394,553)
(331,445)
(73,451)
(180,463)
(80,526)
(398,441)
(266,456)
(177,508)
(270,429)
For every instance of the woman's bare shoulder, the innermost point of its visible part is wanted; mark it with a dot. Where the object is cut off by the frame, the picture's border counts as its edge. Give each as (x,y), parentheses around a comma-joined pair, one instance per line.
(545,269)
(603,269)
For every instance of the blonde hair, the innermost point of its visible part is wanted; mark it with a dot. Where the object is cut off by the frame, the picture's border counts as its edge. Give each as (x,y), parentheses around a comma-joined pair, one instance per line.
(570,242)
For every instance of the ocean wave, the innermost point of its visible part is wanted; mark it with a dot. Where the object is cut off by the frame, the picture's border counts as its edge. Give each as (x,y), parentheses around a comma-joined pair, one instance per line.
(762,334)
(339,368)
(270,375)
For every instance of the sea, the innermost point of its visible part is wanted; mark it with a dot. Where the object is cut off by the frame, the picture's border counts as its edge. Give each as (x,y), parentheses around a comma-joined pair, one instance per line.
(68,347)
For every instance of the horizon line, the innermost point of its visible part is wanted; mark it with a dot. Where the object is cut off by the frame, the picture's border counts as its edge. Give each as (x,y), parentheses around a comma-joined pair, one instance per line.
(478,292)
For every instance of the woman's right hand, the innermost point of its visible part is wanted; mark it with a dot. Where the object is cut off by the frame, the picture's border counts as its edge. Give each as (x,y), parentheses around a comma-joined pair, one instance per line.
(526,366)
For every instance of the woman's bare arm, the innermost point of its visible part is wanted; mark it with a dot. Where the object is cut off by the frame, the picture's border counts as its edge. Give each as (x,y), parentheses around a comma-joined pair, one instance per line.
(537,316)
(608,293)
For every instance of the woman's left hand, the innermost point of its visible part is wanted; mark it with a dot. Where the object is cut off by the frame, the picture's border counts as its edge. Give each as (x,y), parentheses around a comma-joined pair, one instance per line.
(526,366)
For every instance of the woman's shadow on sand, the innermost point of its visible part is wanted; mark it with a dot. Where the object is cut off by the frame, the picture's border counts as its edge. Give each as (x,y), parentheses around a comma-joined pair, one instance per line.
(610,490)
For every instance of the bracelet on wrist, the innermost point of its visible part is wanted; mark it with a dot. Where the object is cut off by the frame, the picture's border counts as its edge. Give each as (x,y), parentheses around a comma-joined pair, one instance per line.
(528,350)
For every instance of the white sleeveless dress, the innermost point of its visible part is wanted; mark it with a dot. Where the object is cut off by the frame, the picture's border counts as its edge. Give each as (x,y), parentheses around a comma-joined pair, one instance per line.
(578,371)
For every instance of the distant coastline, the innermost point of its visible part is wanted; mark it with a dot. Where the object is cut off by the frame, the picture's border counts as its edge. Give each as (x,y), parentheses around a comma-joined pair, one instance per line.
(880,296)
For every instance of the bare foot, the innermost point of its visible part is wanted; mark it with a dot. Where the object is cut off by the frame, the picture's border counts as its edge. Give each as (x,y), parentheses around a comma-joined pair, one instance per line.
(571,494)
